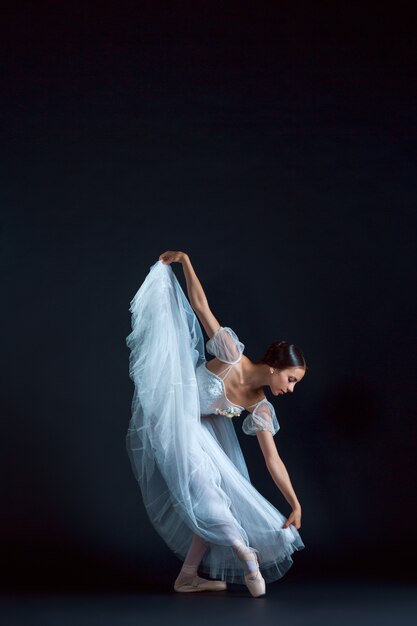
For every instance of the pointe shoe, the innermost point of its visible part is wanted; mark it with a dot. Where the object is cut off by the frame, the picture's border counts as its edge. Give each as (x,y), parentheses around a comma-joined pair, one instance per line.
(255,582)
(198,584)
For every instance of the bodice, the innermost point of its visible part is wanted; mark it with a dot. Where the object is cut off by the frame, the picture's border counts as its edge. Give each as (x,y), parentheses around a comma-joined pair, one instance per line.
(225,346)
(212,394)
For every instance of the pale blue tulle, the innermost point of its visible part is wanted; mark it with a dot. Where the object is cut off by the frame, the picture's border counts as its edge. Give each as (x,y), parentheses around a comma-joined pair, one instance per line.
(190,468)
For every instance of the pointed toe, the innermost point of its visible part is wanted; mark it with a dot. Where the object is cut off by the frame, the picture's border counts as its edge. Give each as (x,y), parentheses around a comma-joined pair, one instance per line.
(256,584)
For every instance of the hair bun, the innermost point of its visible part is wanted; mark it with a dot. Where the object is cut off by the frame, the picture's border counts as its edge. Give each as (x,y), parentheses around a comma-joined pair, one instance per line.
(282,355)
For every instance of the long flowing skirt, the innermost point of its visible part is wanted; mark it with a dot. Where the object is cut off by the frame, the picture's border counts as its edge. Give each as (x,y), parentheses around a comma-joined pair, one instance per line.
(190,468)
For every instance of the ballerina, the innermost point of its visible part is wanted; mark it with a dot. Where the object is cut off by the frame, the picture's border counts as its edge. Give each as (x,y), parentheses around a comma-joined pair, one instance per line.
(183,445)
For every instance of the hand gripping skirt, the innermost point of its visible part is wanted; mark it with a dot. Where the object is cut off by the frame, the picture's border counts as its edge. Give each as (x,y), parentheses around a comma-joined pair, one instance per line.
(190,469)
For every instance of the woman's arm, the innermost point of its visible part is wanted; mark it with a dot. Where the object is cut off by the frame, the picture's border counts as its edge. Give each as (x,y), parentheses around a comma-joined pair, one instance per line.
(280,476)
(196,294)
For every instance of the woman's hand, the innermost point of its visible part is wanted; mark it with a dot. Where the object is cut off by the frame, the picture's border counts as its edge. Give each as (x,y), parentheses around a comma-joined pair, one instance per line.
(172,256)
(294,518)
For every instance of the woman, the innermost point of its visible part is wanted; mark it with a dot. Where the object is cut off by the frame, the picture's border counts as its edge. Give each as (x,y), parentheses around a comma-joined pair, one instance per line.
(183,446)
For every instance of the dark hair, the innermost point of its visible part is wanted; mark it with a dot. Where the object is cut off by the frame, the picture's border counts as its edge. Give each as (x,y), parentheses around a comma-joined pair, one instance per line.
(282,355)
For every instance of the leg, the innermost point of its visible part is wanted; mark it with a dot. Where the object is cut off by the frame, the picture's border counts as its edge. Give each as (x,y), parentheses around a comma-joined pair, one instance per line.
(196,552)
(192,560)
(247,556)
(187,579)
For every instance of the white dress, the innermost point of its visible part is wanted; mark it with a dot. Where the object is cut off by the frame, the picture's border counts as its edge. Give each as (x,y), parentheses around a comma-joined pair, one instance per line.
(182,443)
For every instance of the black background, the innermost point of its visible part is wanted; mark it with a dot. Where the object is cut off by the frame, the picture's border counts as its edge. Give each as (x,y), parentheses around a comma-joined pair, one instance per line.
(276,146)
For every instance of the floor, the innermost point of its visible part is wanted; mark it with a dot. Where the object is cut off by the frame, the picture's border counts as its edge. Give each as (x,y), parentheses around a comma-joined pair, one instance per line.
(310,603)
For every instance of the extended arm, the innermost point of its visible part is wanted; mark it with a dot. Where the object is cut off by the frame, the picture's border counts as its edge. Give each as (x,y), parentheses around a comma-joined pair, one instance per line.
(196,294)
(279,475)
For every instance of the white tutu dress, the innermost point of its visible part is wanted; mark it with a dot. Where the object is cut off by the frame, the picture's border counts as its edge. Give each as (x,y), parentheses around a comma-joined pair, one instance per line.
(182,443)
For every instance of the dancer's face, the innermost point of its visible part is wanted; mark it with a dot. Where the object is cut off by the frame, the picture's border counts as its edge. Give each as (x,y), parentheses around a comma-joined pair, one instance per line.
(283,381)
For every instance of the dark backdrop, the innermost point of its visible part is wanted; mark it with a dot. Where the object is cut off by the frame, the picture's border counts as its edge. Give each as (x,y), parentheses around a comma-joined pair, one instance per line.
(277,148)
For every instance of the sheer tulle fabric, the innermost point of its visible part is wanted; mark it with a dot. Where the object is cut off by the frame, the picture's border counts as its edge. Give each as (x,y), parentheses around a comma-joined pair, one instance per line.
(190,468)
(225,345)
(263,417)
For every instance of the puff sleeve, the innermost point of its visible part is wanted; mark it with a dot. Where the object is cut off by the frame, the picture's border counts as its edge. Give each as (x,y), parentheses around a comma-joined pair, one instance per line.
(263,417)
(225,345)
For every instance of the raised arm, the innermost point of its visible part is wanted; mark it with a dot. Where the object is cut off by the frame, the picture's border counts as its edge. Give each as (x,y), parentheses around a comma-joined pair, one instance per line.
(196,294)
(279,475)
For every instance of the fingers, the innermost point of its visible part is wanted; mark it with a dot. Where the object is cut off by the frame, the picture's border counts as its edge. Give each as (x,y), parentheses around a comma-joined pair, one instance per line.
(292,520)
(166,257)
(169,256)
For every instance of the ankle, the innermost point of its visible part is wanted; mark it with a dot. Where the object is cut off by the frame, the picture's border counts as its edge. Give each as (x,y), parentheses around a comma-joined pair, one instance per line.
(243,552)
(189,569)
(247,556)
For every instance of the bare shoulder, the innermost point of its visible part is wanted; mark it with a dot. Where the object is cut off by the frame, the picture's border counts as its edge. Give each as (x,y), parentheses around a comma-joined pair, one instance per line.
(215,365)
(252,396)
(252,406)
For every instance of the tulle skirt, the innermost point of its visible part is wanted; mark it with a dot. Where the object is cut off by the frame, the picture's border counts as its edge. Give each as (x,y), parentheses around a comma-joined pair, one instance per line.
(190,468)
